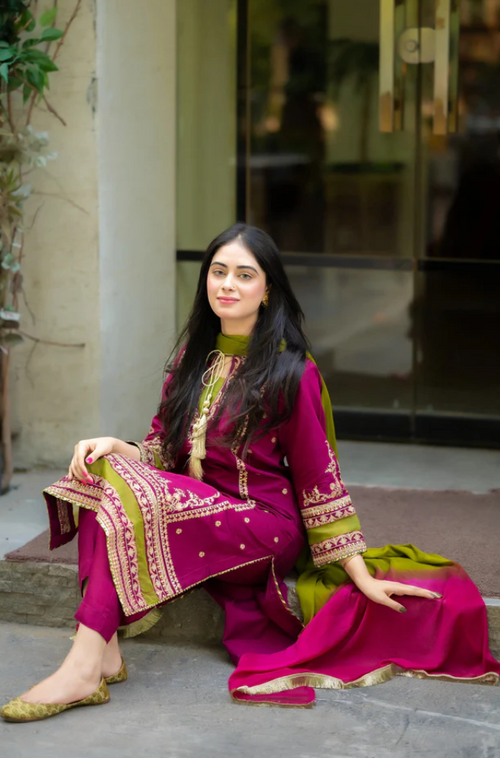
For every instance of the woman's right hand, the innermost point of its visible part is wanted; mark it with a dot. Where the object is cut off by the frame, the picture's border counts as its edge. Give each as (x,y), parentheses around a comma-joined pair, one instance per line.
(88,451)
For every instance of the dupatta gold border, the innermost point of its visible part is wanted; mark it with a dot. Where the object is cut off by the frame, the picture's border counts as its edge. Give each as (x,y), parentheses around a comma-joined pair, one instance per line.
(325,682)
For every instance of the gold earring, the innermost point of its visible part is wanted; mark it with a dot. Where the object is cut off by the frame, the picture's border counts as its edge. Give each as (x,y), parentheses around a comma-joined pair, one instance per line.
(265,300)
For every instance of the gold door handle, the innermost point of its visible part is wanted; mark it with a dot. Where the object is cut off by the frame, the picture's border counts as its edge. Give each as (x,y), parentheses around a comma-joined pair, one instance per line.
(386,66)
(390,79)
(447,31)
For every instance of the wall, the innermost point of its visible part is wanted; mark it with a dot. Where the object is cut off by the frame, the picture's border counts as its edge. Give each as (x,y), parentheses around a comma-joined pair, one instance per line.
(137,111)
(56,389)
(100,259)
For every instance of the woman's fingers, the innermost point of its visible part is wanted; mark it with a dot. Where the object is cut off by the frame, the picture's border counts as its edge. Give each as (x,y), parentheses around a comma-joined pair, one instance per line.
(78,462)
(390,603)
(408,589)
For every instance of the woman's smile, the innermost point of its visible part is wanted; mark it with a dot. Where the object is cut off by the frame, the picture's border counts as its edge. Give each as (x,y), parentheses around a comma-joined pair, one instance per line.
(227,300)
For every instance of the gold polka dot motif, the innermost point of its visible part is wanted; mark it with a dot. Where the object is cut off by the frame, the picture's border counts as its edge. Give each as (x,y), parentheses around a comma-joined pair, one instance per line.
(242,547)
(178,531)
(247,521)
(218,523)
(202,555)
(276,539)
(285,491)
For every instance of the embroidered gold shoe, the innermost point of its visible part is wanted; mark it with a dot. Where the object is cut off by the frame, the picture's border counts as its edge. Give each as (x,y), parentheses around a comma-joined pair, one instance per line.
(19,710)
(120,676)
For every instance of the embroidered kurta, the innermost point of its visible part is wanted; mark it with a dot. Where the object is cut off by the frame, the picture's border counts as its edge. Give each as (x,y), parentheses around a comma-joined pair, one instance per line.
(167,532)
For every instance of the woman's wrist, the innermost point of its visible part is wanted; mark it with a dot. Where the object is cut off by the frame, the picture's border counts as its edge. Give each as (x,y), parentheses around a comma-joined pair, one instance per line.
(119,447)
(355,567)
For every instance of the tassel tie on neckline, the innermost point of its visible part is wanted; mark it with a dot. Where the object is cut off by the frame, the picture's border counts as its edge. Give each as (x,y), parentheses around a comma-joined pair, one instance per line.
(198,449)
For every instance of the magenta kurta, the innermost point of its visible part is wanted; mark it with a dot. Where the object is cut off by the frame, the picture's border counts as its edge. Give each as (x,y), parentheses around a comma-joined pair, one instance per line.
(167,532)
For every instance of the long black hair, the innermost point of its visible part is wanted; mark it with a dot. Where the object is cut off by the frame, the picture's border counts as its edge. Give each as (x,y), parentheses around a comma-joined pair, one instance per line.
(265,366)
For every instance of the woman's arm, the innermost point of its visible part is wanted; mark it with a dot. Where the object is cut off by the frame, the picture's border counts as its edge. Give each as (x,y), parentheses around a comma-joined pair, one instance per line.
(330,519)
(332,525)
(127,449)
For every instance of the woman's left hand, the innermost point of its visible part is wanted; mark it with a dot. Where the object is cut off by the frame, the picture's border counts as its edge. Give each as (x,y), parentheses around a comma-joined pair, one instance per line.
(381,591)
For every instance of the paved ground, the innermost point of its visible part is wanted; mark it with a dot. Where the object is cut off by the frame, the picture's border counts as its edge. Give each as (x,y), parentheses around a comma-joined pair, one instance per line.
(176,705)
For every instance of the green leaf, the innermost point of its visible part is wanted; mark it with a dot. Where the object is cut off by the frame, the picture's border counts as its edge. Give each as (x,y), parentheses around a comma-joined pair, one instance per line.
(31,42)
(6,53)
(26,22)
(14,82)
(26,93)
(42,60)
(4,72)
(35,77)
(48,35)
(47,18)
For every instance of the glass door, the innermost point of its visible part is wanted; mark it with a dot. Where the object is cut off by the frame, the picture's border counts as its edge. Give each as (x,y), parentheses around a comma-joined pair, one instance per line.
(369,151)
(337,193)
(457,302)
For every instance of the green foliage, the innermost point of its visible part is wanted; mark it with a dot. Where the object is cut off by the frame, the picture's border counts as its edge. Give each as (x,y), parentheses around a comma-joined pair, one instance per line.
(25,67)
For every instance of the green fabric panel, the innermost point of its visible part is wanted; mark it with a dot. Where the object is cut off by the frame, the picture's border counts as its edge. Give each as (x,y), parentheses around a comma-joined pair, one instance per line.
(103,468)
(217,388)
(158,463)
(334,529)
(316,585)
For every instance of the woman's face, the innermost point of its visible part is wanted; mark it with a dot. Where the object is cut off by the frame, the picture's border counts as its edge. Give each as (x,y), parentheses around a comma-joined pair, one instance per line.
(236,285)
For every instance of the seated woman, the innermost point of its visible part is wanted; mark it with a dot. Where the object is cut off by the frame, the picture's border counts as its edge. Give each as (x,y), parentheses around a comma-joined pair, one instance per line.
(237,482)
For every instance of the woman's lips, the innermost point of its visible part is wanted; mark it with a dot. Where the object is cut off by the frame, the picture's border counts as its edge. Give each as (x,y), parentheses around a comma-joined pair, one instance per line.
(228,300)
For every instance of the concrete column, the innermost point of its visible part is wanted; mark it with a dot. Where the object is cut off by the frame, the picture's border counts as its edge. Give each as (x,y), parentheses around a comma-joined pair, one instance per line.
(136,54)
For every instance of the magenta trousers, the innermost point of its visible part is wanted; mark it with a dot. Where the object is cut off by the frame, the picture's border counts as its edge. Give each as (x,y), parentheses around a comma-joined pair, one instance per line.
(100,609)
(255,618)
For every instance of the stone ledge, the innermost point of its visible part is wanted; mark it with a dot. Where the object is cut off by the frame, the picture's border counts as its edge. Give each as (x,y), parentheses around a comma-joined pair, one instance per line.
(47,594)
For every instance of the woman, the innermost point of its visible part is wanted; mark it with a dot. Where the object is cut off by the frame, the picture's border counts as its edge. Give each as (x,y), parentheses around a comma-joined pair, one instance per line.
(236,478)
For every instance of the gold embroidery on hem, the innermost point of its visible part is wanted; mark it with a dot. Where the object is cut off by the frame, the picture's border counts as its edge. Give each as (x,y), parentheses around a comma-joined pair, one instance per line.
(141,625)
(322,681)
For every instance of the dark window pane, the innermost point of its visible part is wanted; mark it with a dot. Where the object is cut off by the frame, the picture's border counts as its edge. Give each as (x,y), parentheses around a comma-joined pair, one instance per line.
(359,326)
(457,320)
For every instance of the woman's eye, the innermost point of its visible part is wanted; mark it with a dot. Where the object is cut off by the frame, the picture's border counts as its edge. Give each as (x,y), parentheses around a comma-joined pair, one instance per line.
(247,276)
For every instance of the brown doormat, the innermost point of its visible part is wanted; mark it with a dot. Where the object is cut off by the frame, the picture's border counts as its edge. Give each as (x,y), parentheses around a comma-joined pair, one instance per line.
(459,525)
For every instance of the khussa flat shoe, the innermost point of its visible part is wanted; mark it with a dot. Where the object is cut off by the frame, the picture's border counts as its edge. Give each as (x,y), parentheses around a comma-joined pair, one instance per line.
(18,710)
(120,676)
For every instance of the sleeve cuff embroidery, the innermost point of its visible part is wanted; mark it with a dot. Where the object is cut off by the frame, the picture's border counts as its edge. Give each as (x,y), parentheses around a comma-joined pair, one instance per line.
(326,513)
(338,548)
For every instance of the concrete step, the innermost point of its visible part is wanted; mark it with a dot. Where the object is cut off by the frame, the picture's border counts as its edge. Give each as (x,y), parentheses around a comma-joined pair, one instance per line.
(47,594)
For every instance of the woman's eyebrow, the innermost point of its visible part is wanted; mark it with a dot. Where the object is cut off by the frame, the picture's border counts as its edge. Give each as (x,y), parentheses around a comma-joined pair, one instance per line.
(218,263)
